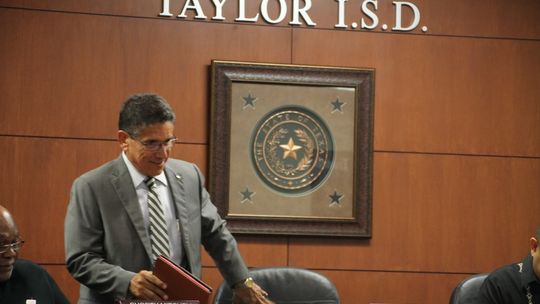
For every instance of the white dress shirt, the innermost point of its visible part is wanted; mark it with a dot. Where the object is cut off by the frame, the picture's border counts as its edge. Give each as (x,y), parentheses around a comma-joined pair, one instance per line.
(167,205)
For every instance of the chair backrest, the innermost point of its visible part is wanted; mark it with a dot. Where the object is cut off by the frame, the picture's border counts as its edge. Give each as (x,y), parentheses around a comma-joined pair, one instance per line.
(287,285)
(467,290)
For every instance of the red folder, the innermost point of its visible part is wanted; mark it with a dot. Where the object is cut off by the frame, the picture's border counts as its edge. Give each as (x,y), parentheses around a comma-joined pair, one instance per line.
(181,284)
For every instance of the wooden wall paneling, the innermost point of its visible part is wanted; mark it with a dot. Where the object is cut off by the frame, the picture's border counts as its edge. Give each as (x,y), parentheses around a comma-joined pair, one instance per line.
(97,61)
(436,213)
(196,154)
(393,287)
(484,18)
(152,9)
(64,280)
(54,69)
(440,94)
(138,8)
(258,251)
(36,180)
(212,277)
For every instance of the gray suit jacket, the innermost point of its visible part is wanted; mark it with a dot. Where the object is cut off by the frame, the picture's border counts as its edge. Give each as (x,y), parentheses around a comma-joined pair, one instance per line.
(106,242)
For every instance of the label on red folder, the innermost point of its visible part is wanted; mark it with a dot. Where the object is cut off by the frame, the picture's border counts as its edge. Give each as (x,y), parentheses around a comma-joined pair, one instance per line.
(181,284)
(155,302)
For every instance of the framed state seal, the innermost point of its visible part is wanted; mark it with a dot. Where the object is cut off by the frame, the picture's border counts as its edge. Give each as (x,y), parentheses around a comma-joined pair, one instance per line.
(291,148)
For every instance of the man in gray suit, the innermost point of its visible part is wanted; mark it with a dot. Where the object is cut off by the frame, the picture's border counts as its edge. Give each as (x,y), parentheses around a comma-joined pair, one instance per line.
(109,241)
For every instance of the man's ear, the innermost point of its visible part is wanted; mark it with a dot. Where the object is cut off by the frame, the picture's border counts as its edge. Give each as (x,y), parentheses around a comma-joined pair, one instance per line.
(533,244)
(122,139)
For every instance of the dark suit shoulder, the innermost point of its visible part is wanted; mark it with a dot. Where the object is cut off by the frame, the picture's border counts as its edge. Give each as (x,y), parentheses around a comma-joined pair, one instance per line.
(28,266)
(28,271)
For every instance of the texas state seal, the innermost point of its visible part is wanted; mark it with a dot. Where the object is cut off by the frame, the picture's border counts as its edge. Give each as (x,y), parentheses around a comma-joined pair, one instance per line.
(292,150)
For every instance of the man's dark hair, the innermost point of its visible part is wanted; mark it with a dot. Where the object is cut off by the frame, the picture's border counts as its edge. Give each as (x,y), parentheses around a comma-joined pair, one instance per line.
(141,110)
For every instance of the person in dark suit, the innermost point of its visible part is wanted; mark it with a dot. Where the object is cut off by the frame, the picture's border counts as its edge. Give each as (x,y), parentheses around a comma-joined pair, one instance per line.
(110,230)
(22,280)
(517,282)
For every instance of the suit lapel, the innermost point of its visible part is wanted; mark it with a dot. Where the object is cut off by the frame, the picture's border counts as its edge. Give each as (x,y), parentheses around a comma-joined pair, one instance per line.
(176,184)
(123,185)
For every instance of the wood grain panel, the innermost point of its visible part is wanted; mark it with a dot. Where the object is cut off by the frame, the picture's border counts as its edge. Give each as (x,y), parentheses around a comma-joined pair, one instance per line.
(486,18)
(364,287)
(258,252)
(152,9)
(212,277)
(438,213)
(440,94)
(35,182)
(68,285)
(483,18)
(197,154)
(88,64)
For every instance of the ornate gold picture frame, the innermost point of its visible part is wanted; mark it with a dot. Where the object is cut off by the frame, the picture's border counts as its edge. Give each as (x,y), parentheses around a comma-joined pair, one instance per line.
(291,148)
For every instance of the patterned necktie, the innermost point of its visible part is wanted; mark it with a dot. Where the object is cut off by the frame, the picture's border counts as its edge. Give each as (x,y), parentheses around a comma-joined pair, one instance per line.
(159,238)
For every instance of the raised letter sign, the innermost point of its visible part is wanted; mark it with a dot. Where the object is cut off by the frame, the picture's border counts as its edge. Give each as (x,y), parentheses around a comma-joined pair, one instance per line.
(219,9)
(416,14)
(341,14)
(370,14)
(282,12)
(242,13)
(297,11)
(166,9)
(196,6)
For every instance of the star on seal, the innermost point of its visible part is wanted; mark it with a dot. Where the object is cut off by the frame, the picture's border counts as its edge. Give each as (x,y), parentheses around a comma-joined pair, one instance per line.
(335,198)
(289,149)
(246,195)
(249,101)
(337,105)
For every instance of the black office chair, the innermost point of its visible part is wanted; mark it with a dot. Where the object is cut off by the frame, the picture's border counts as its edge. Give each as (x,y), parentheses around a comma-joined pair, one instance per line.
(467,290)
(286,286)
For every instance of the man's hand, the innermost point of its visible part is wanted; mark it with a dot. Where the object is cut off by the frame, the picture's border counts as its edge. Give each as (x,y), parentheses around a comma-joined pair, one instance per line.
(250,295)
(146,286)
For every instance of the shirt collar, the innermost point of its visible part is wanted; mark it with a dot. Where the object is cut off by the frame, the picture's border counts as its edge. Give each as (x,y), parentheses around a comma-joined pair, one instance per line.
(137,177)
